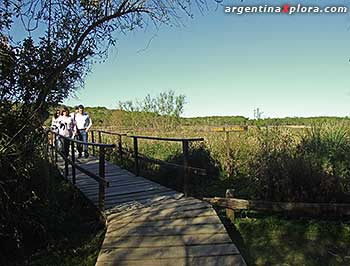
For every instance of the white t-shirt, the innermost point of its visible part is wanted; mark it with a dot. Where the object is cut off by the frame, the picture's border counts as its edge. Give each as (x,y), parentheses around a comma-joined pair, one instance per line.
(66,126)
(83,121)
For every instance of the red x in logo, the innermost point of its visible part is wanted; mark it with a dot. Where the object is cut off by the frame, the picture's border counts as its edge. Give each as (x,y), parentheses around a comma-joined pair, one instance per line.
(285,8)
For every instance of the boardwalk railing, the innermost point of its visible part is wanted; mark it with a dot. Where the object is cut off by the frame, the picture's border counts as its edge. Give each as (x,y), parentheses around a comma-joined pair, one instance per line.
(98,134)
(234,204)
(138,156)
(185,166)
(70,159)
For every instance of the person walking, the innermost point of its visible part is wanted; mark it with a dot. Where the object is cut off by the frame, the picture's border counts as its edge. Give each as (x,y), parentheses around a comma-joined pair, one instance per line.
(65,129)
(54,121)
(83,124)
(54,127)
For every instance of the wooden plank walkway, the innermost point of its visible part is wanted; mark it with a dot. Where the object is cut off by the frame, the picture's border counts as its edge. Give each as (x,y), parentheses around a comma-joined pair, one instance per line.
(151,225)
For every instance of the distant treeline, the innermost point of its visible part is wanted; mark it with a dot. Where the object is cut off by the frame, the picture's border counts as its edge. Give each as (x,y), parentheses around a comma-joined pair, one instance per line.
(118,118)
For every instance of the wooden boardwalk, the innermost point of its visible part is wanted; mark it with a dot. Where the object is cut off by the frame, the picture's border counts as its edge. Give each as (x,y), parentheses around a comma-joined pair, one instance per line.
(151,225)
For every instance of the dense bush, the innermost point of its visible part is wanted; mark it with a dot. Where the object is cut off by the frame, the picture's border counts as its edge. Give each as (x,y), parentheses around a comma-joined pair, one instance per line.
(24,104)
(23,185)
(310,166)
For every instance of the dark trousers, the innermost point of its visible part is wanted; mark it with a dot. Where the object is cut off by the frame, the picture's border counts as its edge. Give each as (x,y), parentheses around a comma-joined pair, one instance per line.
(65,147)
(82,136)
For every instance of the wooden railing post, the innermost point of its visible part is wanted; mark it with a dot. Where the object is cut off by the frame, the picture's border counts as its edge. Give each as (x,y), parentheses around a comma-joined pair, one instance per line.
(99,137)
(227,140)
(101,192)
(120,149)
(136,157)
(73,161)
(230,213)
(51,137)
(55,145)
(66,170)
(52,146)
(228,153)
(185,165)
(47,146)
(93,141)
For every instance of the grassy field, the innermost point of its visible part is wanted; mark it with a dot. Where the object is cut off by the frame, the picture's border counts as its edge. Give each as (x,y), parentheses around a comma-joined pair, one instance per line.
(275,163)
(265,239)
(279,164)
(269,162)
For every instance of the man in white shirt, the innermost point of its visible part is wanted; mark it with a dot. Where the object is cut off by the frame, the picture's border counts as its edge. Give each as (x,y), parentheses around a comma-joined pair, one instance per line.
(83,123)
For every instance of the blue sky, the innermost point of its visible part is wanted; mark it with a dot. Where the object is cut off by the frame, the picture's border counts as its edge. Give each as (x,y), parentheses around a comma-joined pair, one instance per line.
(229,64)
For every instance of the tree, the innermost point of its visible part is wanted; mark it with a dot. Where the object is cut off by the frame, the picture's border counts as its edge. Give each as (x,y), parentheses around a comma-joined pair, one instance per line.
(257,113)
(166,104)
(74,33)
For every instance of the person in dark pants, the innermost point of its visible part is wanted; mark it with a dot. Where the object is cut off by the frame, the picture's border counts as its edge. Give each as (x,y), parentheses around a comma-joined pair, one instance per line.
(55,128)
(83,123)
(65,129)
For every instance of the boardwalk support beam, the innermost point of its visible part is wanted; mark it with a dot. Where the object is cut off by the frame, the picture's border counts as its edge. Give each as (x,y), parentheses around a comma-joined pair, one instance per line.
(66,170)
(185,164)
(99,137)
(73,161)
(101,192)
(93,140)
(136,157)
(120,149)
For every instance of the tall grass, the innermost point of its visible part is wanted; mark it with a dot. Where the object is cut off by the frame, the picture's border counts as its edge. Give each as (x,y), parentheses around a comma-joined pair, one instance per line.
(270,163)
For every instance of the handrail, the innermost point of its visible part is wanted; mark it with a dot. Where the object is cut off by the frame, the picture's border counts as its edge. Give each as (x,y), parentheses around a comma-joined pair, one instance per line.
(110,133)
(100,178)
(137,156)
(166,139)
(195,170)
(83,170)
(100,139)
(87,143)
(148,137)
(231,204)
